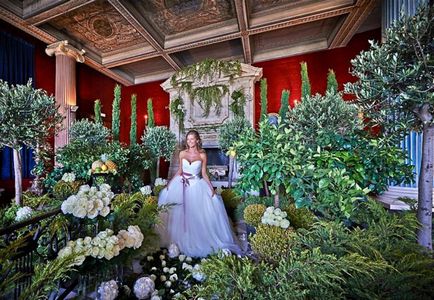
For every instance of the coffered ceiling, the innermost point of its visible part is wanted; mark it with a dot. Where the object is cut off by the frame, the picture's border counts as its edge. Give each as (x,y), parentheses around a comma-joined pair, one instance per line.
(137,41)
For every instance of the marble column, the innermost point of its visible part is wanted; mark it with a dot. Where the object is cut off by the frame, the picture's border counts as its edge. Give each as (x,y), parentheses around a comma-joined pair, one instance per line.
(66,99)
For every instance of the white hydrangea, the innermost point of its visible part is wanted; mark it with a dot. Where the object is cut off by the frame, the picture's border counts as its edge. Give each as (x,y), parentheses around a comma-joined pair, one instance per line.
(23,213)
(146,190)
(108,290)
(144,287)
(132,238)
(68,177)
(173,250)
(89,202)
(197,274)
(160,181)
(275,217)
(104,245)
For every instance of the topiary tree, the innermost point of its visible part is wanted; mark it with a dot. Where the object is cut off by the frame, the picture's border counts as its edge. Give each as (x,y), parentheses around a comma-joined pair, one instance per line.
(116,113)
(305,83)
(88,132)
(28,117)
(396,91)
(133,129)
(97,110)
(151,120)
(263,99)
(332,83)
(229,133)
(284,105)
(161,143)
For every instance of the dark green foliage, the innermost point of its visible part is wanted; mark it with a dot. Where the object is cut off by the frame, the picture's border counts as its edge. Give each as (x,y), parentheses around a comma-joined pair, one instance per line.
(237,105)
(133,128)
(332,83)
(62,190)
(88,132)
(233,130)
(97,110)
(177,109)
(151,119)
(284,105)
(264,101)
(305,83)
(116,113)
(209,96)
(300,217)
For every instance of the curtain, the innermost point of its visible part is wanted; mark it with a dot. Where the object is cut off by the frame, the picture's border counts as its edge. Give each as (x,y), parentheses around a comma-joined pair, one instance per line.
(17,62)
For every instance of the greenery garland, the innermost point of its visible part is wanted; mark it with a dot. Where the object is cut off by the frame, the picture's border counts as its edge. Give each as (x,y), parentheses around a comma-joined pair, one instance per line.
(237,106)
(177,109)
(210,95)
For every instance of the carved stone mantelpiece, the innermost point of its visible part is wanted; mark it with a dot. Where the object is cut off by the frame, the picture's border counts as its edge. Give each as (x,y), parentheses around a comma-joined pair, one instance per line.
(208,126)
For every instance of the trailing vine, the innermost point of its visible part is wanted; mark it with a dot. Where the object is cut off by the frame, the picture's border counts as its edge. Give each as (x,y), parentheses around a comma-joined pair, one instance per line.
(178,111)
(237,106)
(209,95)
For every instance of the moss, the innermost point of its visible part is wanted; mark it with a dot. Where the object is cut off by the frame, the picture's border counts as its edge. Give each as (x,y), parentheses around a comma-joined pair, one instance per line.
(63,190)
(300,217)
(253,214)
(272,243)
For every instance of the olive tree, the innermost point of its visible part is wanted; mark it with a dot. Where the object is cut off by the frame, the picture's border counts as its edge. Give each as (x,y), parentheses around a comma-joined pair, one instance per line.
(396,92)
(28,117)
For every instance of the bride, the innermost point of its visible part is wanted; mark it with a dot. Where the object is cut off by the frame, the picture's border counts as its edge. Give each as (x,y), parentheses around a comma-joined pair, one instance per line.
(197,222)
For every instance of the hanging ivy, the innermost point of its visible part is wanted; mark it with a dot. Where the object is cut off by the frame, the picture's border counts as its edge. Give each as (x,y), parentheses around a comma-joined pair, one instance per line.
(178,111)
(237,106)
(208,95)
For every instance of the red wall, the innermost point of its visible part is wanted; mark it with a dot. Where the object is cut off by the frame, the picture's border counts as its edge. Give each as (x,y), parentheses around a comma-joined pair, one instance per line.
(284,73)
(281,74)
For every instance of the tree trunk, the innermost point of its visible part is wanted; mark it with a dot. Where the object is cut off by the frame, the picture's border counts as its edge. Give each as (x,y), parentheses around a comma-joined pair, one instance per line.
(231,171)
(18,177)
(424,208)
(276,200)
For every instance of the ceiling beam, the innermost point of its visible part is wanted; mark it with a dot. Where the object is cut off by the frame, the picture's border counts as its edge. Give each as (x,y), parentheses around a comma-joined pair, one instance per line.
(352,22)
(144,32)
(265,28)
(243,24)
(56,11)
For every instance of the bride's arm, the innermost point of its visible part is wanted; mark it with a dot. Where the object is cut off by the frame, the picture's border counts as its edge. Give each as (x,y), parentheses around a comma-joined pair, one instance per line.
(204,173)
(179,168)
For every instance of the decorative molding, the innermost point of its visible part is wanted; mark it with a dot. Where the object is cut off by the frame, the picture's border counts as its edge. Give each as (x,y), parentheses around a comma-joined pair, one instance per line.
(55,11)
(352,22)
(10,18)
(63,48)
(146,35)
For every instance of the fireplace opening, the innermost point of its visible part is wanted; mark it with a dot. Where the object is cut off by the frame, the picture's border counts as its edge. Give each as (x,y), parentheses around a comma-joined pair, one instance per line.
(217,164)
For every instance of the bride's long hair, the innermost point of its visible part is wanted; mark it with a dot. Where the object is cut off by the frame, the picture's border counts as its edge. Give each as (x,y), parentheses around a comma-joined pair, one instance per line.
(197,136)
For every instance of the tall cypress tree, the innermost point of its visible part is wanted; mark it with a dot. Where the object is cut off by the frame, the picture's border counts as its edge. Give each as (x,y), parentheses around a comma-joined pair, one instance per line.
(116,113)
(97,110)
(151,121)
(305,84)
(332,83)
(284,104)
(263,98)
(133,128)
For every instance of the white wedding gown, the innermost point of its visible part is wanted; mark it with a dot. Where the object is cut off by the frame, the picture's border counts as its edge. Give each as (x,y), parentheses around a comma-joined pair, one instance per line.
(197,222)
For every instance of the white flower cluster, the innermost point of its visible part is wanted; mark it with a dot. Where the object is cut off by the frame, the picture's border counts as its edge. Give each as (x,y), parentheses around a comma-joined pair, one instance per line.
(275,217)
(173,250)
(68,177)
(104,245)
(160,181)
(23,213)
(132,238)
(108,290)
(146,190)
(144,287)
(89,202)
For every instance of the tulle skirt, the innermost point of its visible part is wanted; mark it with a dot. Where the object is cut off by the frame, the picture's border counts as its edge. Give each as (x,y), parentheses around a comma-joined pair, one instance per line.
(196,221)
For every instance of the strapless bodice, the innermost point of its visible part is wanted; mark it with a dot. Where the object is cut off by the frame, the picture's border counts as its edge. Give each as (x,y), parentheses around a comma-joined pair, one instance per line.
(193,168)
